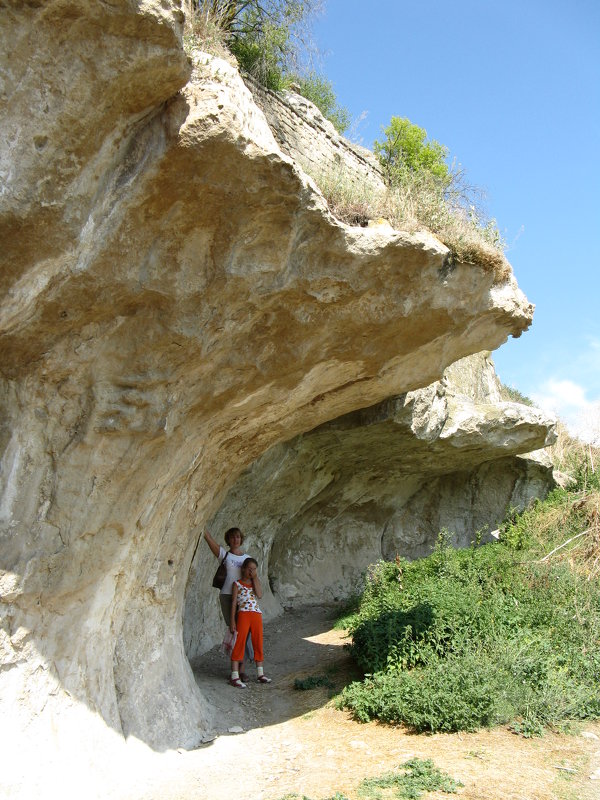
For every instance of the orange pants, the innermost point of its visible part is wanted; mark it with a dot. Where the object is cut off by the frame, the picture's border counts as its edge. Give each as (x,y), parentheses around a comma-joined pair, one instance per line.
(249,621)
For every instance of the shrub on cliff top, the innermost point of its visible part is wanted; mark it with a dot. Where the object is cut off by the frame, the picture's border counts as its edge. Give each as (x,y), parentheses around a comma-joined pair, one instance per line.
(412,206)
(320,92)
(265,36)
(420,179)
(407,149)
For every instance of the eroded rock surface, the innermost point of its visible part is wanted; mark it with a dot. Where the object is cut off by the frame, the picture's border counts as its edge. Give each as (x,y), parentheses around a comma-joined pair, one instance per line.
(177,299)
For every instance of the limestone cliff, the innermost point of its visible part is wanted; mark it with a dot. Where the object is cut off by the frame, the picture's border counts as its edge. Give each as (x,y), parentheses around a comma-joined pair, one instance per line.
(176,300)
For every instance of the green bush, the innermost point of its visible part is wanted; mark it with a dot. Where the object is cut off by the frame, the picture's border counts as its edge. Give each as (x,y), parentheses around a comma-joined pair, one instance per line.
(408,782)
(262,53)
(417,776)
(512,394)
(265,36)
(320,92)
(406,149)
(500,633)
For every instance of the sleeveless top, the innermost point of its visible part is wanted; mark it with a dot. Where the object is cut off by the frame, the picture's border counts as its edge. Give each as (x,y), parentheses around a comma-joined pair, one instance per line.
(246,599)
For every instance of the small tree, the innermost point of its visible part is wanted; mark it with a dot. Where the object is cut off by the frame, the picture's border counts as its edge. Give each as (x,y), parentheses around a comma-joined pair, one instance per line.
(406,150)
(264,35)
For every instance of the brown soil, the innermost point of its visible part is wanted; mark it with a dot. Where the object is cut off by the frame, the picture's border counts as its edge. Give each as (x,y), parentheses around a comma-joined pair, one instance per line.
(296,741)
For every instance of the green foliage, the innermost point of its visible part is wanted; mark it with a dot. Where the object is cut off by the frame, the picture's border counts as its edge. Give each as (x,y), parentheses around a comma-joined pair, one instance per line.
(262,53)
(263,35)
(320,92)
(294,796)
(501,633)
(586,478)
(406,149)
(418,776)
(312,682)
(423,186)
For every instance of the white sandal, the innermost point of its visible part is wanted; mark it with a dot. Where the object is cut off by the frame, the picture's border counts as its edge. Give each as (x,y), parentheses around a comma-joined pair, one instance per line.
(237,683)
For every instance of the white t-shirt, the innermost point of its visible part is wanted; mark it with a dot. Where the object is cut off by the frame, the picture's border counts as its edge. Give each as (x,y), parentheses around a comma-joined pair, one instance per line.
(233,565)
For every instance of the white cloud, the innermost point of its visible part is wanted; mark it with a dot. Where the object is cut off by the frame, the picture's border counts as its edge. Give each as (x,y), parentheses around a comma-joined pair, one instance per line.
(568,401)
(559,396)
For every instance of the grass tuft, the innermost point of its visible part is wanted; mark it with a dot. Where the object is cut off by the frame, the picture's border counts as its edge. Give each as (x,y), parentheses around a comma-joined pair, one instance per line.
(416,204)
(412,779)
(312,682)
(204,30)
(417,776)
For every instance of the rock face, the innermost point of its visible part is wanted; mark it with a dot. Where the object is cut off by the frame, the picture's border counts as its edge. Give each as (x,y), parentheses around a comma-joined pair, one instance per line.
(301,131)
(376,483)
(176,300)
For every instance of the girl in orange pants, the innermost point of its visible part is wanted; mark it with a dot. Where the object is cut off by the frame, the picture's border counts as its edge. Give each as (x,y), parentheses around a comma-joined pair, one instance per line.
(245,594)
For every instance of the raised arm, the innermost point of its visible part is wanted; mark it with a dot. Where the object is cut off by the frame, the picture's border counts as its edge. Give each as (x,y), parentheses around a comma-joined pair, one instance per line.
(211,543)
(234,594)
(255,581)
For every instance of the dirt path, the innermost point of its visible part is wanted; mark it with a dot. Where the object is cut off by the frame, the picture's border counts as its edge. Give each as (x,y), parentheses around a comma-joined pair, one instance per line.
(274,740)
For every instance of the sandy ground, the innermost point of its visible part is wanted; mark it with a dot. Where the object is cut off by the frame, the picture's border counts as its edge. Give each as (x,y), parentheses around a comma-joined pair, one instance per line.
(274,740)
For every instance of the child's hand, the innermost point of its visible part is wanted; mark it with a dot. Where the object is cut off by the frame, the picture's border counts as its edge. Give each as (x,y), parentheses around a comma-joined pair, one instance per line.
(232,628)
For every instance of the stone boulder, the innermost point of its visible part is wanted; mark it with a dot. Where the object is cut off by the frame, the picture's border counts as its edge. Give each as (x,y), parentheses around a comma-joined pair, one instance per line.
(176,300)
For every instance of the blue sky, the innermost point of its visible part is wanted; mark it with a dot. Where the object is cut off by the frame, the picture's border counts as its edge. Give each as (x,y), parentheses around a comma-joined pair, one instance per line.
(513,90)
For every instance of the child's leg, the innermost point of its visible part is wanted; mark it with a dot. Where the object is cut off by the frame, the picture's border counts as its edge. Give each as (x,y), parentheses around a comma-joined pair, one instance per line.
(256,632)
(225,601)
(243,627)
(256,629)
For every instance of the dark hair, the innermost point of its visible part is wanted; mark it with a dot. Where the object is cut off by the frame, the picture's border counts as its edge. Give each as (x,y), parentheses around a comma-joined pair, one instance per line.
(232,531)
(249,560)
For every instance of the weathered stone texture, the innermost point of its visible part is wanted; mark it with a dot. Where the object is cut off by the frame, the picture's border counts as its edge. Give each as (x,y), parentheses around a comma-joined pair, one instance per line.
(303,133)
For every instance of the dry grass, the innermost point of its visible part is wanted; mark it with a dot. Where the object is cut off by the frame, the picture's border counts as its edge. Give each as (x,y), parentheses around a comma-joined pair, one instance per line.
(416,205)
(578,460)
(581,547)
(568,453)
(203,30)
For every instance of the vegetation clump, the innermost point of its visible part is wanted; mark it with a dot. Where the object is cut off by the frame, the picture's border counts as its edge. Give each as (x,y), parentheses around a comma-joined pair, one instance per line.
(320,91)
(417,776)
(265,37)
(312,682)
(507,632)
(513,395)
(412,779)
(406,150)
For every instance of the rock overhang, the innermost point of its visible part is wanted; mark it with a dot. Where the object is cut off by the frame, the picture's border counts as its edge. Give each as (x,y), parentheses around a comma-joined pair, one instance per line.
(379,482)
